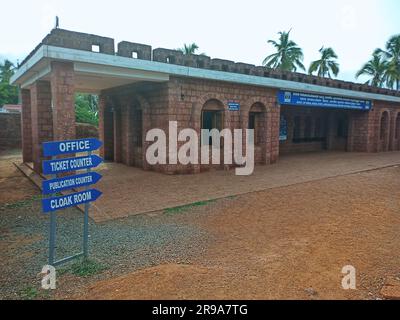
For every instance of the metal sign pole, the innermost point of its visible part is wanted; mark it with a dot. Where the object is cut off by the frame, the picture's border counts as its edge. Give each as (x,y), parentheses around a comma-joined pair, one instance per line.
(86,223)
(53,229)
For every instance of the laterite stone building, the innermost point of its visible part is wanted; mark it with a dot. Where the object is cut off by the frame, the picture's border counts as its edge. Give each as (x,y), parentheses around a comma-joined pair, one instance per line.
(141,89)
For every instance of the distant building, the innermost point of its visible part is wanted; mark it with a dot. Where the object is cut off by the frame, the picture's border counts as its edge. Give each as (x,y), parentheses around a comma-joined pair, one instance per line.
(11,108)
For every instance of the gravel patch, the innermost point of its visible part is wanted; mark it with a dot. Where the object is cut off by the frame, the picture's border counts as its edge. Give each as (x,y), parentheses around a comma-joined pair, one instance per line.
(123,245)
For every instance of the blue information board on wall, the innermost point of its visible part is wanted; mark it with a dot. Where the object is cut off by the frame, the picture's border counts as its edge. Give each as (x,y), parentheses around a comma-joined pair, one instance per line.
(233,106)
(321,101)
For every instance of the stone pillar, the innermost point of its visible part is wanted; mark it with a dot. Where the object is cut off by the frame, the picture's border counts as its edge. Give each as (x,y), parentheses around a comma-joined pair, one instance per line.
(275,116)
(26,126)
(63,100)
(102,107)
(330,134)
(42,120)
(117,135)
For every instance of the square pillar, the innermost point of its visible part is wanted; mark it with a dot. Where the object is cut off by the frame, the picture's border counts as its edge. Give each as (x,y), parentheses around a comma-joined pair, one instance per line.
(42,120)
(102,107)
(26,126)
(117,135)
(63,100)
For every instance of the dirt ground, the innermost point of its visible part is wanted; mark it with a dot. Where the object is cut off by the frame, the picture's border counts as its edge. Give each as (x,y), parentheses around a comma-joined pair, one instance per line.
(13,185)
(285,243)
(289,242)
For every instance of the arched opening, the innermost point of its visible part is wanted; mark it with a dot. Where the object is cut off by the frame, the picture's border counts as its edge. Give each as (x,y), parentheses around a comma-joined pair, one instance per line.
(212,117)
(384,132)
(257,122)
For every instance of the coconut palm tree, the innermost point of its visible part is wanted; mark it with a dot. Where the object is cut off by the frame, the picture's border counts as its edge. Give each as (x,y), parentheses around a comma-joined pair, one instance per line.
(288,56)
(326,64)
(392,55)
(189,48)
(376,68)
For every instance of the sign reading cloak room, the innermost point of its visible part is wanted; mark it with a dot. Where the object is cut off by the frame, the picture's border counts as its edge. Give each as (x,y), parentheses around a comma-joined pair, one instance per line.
(321,101)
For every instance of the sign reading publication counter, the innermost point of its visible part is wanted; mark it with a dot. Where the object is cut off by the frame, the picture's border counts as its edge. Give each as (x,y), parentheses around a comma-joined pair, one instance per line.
(55,185)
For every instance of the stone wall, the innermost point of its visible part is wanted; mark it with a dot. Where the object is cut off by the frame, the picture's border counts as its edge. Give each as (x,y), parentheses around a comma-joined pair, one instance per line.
(83,41)
(10,130)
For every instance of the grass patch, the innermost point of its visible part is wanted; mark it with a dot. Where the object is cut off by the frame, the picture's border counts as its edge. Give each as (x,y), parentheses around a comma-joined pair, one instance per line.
(86,268)
(22,203)
(187,207)
(29,293)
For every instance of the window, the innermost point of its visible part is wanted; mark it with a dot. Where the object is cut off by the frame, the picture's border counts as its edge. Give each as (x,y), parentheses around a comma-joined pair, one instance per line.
(211,120)
(134,55)
(171,59)
(96,48)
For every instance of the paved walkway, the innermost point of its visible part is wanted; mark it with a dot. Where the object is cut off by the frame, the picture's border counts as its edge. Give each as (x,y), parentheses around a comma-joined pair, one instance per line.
(129,191)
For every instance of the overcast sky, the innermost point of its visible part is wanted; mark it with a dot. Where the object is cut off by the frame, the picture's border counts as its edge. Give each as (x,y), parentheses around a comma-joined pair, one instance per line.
(226,29)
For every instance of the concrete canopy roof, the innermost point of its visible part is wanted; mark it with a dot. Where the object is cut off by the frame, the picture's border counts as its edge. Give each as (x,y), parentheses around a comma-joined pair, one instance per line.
(97,71)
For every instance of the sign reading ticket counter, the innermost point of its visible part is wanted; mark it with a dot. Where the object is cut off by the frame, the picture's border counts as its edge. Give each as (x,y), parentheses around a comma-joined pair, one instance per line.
(55,202)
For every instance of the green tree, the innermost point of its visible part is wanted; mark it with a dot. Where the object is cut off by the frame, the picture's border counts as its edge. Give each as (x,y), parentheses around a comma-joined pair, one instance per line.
(8,93)
(392,55)
(376,68)
(288,56)
(189,48)
(326,64)
(86,108)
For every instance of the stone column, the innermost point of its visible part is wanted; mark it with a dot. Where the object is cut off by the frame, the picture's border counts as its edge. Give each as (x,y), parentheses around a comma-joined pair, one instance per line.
(102,106)
(26,126)
(117,135)
(42,120)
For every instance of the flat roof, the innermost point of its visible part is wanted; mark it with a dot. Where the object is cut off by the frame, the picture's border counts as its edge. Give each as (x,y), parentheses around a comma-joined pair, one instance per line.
(99,71)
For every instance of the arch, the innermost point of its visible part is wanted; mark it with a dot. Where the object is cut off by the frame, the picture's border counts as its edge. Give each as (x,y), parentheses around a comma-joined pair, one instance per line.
(197,107)
(212,116)
(257,121)
(384,131)
(213,105)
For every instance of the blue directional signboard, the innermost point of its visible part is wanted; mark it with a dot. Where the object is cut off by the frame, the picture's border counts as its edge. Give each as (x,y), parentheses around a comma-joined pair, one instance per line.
(58,184)
(321,101)
(70,200)
(70,182)
(71,164)
(72,146)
